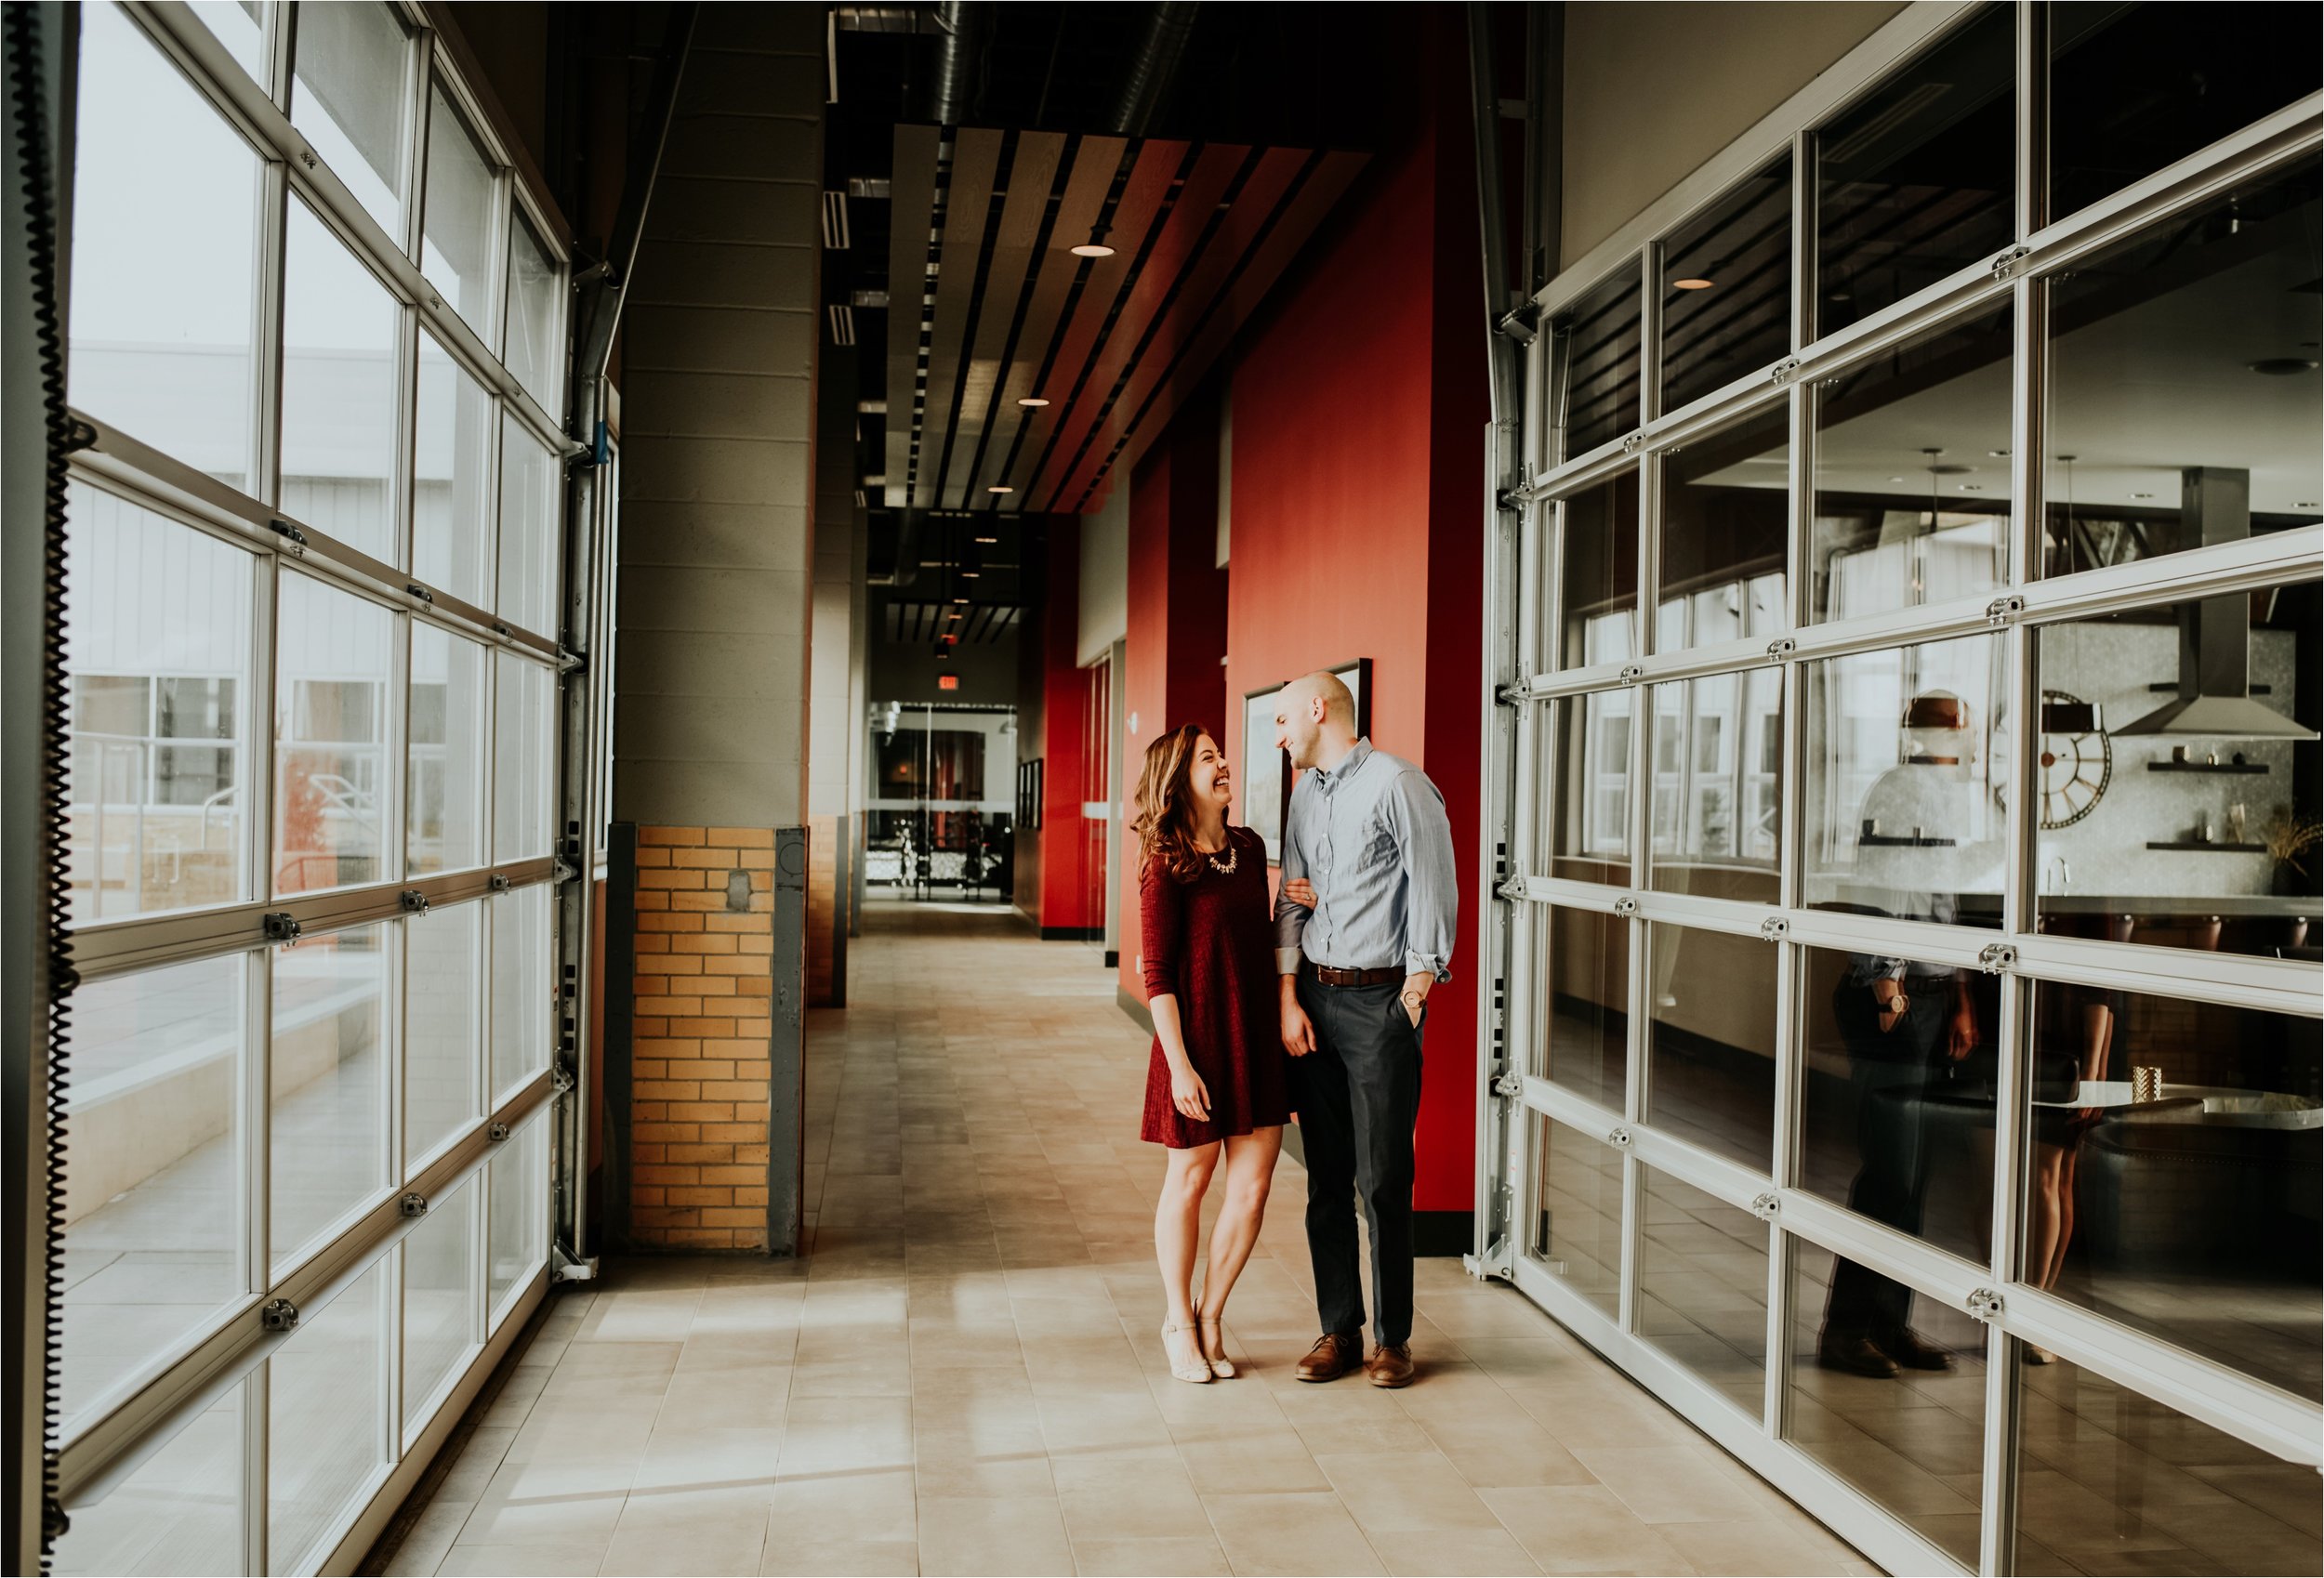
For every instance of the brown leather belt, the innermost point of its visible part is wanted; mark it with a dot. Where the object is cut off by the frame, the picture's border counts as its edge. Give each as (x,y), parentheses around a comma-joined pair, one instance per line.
(1325,975)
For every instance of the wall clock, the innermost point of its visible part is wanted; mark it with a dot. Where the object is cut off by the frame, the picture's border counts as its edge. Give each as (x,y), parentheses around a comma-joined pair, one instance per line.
(2076,767)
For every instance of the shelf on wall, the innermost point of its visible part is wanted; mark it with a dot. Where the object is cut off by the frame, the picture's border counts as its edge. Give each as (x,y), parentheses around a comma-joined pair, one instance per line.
(2206,767)
(2214,847)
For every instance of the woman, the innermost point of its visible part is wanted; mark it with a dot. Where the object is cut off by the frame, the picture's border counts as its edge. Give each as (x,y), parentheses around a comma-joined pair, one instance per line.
(1216,1080)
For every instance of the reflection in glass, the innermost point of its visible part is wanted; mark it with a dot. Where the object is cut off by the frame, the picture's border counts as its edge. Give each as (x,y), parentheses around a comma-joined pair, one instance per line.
(1912,474)
(154,1186)
(1903,816)
(1589,834)
(331,733)
(1710,1049)
(1597,362)
(1576,1227)
(167,354)
(346,96)
(536,350)
(327,1080)
(521,986)
(157,755)
(522,743)
(2137,87)
(1716,776)
(1702,1288)
(2191,1215)
(527,596)
(518,1236)
(443,1026)
(1585,966)
(2110,1481)
(324,1411)
(456,254)
(2173,813)
(1909,1429)
(240,25)
(1896,1108)
(2213,311)
(445,801)
(1919,175)
(178,1513)
(1726,289)
(1726,530)
(440,1324)
(1598,574)
(338,389)
(451,499)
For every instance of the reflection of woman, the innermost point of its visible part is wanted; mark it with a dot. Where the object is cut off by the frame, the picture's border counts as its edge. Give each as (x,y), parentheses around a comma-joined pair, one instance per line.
(1216,1080)
(2057,1142)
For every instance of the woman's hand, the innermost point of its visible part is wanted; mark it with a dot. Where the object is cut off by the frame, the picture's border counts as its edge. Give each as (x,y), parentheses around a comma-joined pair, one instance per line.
(1188,1094)
(1300,892)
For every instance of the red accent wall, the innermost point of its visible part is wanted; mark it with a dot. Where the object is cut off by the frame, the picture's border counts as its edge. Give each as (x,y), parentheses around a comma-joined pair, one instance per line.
(1360,407)
(1063,699)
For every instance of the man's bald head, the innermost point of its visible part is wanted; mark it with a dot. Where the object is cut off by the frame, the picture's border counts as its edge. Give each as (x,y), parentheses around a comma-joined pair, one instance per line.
(1316,718)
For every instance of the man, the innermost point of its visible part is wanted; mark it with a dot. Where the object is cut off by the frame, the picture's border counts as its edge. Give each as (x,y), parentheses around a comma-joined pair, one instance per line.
(1364,930)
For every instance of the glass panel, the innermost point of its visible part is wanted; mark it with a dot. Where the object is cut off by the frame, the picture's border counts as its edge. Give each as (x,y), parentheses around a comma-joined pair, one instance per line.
(528,516)
(456,254)
(327,1124)
(178,1512)
(1711,1042)
(1912,484)
(338,389)
(1919,175)
(443,1026)
(1585,979)
(1897,1097)
(2110,1481)
(1726,289)
(166,354)
(1598,574)
(347,88)
(537,352)
(1726,531)
(522,744)
(440,1325)
(1588,831)
(522,984)
(2190,1214)
(1718,758)
(157,647)
(325,1409)
(1702,1288)
(2135,87)
(332,663)
(518,1233)
(1576,1229)
(1899,1413)
(2178,774)
(241,26)
(156,1189)
(1599,337)
(444,814)
(1903,815)
(451,501)
(2184,395)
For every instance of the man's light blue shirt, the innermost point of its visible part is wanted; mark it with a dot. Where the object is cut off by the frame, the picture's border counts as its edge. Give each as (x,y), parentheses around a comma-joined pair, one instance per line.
(1371,836)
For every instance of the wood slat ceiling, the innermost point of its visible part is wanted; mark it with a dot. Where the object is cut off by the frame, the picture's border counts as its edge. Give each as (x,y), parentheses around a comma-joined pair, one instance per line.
(989,306)
(914,624)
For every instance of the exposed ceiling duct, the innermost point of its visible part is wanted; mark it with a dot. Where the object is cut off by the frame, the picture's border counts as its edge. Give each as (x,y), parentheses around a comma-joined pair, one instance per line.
(1152,68)
(2214,698)
(958,27)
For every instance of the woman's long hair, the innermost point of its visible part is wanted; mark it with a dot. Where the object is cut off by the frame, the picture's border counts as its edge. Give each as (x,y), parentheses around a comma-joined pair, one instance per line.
(1165,823)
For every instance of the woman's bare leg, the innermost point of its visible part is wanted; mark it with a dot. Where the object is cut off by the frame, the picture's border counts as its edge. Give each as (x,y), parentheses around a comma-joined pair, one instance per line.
(1251,1167)
(1177,1230)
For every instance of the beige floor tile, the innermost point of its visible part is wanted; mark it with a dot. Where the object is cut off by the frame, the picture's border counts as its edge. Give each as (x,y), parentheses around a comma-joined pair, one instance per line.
(845,1506)
(1502,1452)
(1196,1556)
(704,1531)
(1119,1498)
(1760,1546)
(1582,1529)
(1272,1463)
(544,1558)
(1290,1534)
(1405,1490)
(430,1538)
(868,1558)
(1423,1553)
(1024,1535)
(827,1435)
(1666,1485)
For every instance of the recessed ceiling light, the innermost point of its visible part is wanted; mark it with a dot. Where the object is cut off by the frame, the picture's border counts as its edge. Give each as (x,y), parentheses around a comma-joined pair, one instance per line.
(962,602)
(1033,400)
(2304,503)
(1095,247)
(971,574)
(1692,285)
(2282,366)
(1000,488)
(2142,495)
(988,539)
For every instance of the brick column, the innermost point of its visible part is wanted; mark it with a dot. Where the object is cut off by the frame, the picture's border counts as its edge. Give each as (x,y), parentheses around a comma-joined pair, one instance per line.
(699,1058)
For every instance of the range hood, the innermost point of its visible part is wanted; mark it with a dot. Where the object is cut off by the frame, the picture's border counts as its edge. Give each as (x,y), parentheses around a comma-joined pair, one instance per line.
(2215,700)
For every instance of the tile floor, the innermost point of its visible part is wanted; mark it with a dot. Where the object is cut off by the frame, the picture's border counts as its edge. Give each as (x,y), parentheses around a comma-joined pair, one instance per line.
(964,1377)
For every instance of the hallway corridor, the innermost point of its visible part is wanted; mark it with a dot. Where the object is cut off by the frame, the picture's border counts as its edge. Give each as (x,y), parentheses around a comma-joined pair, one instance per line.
(964,1377)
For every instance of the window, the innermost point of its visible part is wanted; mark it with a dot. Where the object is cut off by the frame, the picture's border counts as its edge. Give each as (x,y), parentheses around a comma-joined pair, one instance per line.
(1597,364)
(442,1318)
(328,1077)
(347,98)
(523,742)
(1726,289)
(517,1241)
(177,1514)
(451,499)
(339,391)
(443,1028)
(331,727)
(1702,1288)
(463,198)
(536,318)
(326,1408)
(444,801)
(529,511)
(521,986)
(1598,574)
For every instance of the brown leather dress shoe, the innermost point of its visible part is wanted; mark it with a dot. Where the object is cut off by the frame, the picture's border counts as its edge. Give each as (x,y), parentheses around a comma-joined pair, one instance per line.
(1334,1355)
(1856,1356)
(1908,1350)
(1389,1365)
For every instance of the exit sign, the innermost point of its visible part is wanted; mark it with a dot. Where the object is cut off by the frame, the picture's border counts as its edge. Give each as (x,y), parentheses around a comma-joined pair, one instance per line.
(947,682)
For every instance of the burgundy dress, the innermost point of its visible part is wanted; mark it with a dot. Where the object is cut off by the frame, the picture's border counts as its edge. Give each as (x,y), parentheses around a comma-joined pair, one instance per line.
(1210,944)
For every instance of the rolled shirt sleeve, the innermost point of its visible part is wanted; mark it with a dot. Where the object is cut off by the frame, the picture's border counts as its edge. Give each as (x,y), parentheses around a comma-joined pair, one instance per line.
(1290,919)
(1415,813)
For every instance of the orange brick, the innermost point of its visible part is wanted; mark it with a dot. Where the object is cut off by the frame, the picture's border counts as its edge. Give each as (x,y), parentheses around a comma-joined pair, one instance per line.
(649,941)
(726,920)
(666,1218)
(673,1047)
(713,945)
(673,1090)
(758,866)
(703,1112)
(706,1068)
(673,879)
(648,1155)
(711,1157)
(670,836)
(751,1113)
(647,1027)
(729,963)
(705,903)
(645,1197)
(712,857)
(664,1134)
(756,986)
(715,986)
(741,838)
(762,945)
(643,902)
(752,1153)
(703,1027)
(696,1194)
(666,1175)
(673,1008)
(763,882)
(730,1090)
(753,1029)
(751,1195)
(740,1132)
(729,1172)
(651,856)
(761,1069)
(733,1217)
(650,1111)
(650,1068)
(703,1238)
(662,922)
(733,1047)
(668,964)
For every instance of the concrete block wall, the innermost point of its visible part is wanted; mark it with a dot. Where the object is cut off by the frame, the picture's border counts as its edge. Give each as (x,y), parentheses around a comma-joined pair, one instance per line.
(700,1044)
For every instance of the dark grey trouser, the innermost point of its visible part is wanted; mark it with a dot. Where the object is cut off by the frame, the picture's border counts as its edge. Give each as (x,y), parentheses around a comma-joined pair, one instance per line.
(1359,1095)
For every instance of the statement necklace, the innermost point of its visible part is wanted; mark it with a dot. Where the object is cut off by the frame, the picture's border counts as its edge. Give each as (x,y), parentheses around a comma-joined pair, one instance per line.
(1226,867)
